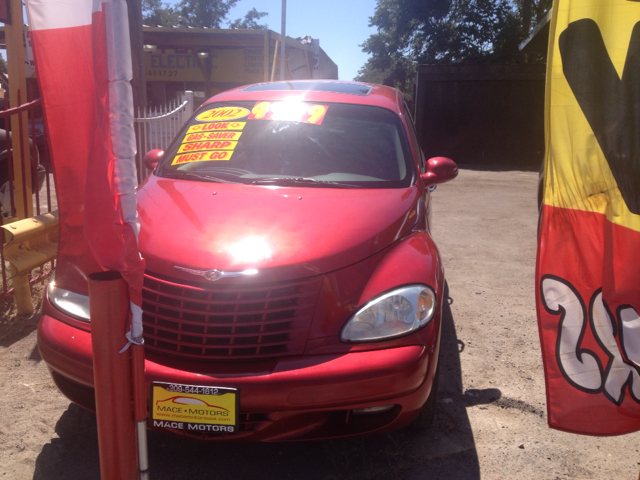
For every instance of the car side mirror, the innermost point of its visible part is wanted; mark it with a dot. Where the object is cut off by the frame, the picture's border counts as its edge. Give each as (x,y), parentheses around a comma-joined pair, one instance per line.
(439,170)
(152,157)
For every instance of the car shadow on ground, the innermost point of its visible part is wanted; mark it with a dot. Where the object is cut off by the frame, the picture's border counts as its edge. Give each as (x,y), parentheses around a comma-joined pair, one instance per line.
(447,450)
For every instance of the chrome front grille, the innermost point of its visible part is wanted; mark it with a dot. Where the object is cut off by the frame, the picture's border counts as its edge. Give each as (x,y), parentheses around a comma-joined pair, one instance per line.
(219,322)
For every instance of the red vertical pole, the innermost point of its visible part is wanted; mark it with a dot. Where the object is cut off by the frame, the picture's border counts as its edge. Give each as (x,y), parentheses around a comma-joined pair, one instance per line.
(109,310)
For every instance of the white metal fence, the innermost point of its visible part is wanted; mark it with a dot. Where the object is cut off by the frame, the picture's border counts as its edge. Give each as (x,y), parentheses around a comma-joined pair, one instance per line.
(156,127)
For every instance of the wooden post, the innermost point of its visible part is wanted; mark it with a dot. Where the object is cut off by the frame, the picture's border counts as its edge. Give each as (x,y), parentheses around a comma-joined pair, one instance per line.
(275,58)
(23,185)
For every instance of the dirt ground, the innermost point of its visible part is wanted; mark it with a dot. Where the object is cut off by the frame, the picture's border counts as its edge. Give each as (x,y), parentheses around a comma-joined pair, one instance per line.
(491,419)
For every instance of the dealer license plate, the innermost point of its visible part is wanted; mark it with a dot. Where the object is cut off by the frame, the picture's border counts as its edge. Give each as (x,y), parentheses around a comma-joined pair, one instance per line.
(194,409)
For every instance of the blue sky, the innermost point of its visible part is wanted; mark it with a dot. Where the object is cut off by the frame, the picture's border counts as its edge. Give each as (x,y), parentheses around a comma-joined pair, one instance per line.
(341,26)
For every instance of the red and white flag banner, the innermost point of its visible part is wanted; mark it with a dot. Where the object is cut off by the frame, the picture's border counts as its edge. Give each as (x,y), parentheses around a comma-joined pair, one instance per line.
(588,264)
(83,61)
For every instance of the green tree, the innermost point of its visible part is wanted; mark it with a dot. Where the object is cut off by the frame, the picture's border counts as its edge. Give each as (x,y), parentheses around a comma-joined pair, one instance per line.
(158,14)
(197,13)
(442,32)
(531,12)
(205,13)
(3,64)
(250,21)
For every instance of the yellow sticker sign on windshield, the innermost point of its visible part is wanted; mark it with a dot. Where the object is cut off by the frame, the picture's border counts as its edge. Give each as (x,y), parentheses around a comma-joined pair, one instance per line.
(211,145)
(186,407)
(289,111)
(196,137)
(202,157)
(207,127)
(221,114)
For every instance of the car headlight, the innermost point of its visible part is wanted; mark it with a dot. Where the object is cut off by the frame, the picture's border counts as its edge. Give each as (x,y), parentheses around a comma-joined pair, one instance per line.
(73,304)
(393,314)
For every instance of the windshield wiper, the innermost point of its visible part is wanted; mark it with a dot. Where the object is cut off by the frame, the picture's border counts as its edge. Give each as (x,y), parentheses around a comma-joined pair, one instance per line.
(196,176)
(308,182)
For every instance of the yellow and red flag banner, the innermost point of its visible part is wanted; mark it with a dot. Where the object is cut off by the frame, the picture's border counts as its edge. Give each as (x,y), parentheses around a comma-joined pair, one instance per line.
(83,60)
(588,265)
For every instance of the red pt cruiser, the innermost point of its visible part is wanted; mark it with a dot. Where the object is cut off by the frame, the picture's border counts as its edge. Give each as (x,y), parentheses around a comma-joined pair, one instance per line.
(293,290)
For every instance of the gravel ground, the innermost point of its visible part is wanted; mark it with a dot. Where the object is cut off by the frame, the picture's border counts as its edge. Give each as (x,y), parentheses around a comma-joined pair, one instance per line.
(491,420)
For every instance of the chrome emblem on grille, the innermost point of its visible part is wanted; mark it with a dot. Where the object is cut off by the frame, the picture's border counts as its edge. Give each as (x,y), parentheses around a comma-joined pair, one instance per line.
(214,274)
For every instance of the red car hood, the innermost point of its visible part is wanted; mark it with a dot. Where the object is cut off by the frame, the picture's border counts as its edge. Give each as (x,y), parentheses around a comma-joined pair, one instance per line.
(283,232)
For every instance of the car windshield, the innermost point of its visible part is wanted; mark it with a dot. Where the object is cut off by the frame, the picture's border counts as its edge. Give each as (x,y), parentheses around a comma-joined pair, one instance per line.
(322,145)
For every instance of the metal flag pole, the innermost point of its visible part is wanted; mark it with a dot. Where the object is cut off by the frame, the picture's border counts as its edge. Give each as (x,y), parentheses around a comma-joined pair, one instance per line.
(283,37)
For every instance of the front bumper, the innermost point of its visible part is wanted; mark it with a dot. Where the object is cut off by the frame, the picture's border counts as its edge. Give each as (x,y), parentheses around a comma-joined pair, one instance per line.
(291,398)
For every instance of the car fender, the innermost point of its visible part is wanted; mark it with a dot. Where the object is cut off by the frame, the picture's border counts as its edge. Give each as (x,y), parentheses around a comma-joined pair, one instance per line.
(414,259)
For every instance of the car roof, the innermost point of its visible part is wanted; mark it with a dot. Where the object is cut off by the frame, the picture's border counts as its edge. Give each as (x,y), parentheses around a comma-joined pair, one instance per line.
(333,91)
